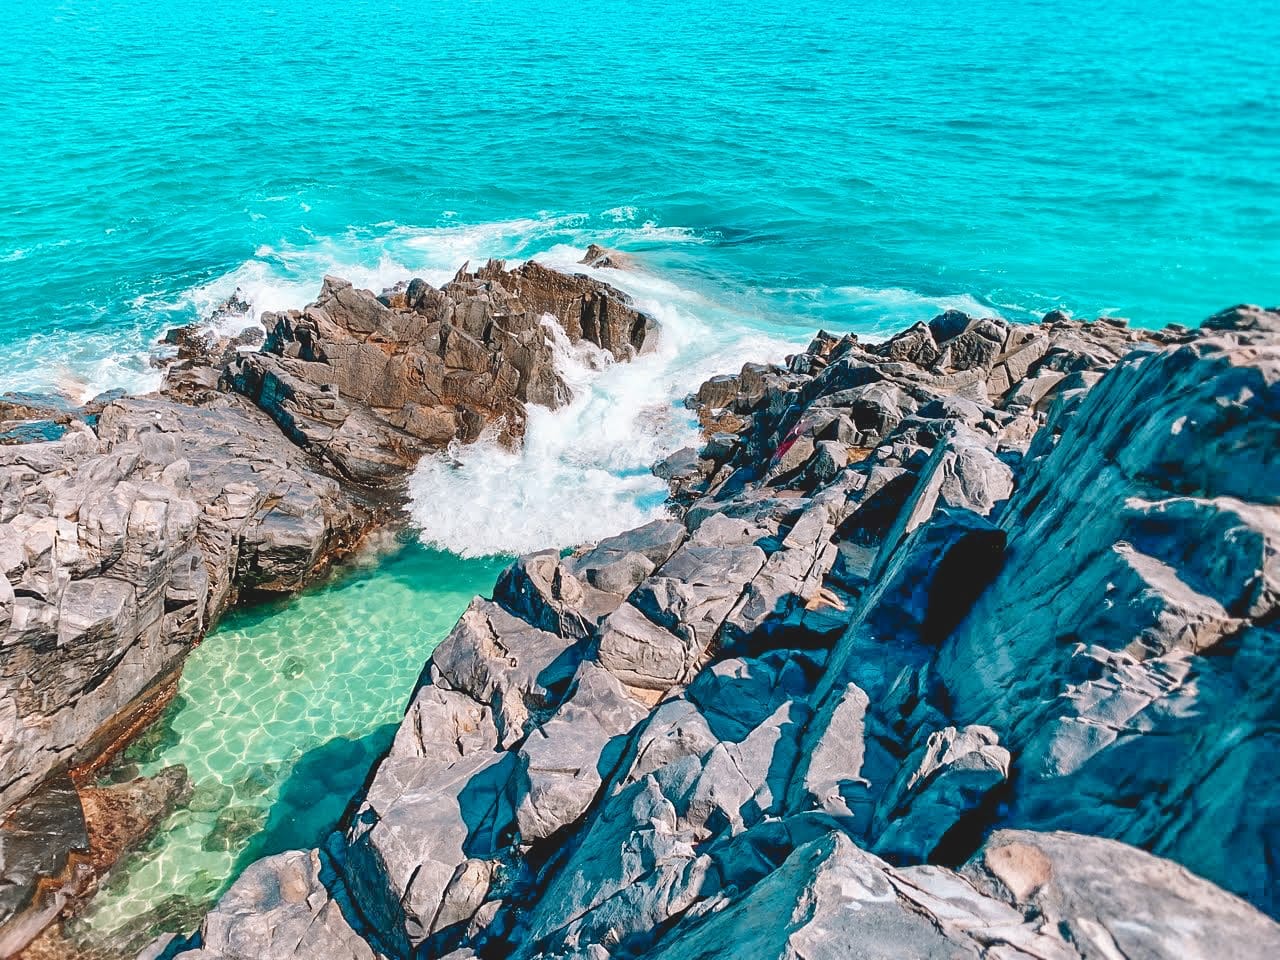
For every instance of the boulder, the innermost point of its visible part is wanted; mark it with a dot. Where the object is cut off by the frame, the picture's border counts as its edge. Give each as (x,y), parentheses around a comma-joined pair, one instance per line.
(288,907)
(946,780)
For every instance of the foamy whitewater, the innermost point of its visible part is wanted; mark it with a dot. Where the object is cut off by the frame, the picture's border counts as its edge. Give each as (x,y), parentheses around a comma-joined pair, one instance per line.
(583,470)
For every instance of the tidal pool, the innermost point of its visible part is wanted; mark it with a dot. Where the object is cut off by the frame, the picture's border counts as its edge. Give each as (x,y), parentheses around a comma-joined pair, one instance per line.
(279,716)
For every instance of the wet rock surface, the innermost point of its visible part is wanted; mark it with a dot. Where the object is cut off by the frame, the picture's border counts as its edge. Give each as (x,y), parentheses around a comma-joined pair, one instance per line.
(963,645)
(130,524)
(370,384)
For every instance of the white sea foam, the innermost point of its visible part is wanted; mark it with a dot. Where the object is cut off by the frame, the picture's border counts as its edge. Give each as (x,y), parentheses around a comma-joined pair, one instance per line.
(887,309)
(583,470)
(282,276)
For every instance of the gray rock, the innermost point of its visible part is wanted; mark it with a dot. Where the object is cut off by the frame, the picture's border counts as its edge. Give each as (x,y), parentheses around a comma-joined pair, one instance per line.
(946,778)
(541,589)
(437,801)
(1245,317)
(615,564)
(1111,899)
(1083,578)
(640,653)
(562,764)
(1111,624)
(288,906)
(500,660)
(1044,896)
(694,591)
(962,473)
(122,549)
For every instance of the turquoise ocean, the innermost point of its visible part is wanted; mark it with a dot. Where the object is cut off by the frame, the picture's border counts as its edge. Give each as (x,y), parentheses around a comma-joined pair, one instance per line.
(771,168)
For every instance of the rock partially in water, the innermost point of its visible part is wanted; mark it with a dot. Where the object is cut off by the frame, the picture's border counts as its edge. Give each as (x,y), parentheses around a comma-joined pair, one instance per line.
(129,525)
(121,547)
(1037,595)
(916,594)
(371,386)
(288,907)
(59,843)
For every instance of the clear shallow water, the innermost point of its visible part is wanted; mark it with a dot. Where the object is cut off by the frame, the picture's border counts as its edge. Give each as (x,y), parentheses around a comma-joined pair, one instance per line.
(280,714)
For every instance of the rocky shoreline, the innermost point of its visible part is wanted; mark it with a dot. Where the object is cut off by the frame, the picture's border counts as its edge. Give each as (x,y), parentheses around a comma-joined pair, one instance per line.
(958,645)
(129,526)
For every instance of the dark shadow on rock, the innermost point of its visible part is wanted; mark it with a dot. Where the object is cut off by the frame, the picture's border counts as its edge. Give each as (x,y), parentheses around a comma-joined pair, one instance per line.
(486,809)
(962,574)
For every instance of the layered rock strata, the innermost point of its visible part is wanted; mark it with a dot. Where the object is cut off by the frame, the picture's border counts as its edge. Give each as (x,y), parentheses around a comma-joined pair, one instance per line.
(962,645)
(129,526)
(370,385)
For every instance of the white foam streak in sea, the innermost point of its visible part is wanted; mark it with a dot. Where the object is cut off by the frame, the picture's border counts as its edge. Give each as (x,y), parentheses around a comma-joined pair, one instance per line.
(582,472)
(888,309)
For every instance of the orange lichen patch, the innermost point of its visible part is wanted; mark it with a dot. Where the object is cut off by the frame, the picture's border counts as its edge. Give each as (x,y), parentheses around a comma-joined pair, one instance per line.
(128,726)
(1022,868)
(720,422)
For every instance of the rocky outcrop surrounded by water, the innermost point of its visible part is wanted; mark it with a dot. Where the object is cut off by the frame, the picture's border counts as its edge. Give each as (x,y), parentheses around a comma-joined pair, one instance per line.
(128,526)
(371,384)
(958,645)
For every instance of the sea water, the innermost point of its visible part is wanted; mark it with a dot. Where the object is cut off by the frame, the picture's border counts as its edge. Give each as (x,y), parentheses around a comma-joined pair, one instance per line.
(279,716)
(769,167)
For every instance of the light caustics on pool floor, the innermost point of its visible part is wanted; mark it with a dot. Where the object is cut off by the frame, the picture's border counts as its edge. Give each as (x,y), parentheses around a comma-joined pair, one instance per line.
(279,716)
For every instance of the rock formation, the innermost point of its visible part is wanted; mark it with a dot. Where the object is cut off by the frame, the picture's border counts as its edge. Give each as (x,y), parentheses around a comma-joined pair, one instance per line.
(129,526)
(963,645)
(370,386)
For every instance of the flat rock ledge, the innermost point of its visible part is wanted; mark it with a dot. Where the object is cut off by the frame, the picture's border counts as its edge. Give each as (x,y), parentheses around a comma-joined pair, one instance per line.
(958,645)
(128,526)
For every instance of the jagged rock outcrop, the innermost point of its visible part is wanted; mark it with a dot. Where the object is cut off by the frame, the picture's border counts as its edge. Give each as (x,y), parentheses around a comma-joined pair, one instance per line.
(286,906)
(947,618)
(119,547)
(371,384)
(129,525)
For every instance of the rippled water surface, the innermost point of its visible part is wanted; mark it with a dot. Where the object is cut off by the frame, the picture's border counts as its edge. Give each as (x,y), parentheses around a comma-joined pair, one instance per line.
(280,713)
(828,160)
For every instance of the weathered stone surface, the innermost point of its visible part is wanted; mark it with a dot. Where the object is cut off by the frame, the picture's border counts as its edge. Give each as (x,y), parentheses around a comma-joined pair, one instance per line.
(1075,897)
(562,764)
(371,386)
(1142,546)
(37,843)
(435,802)
(980,576)
(542,590)
(694,591)
(612,564)
(500,660)
(132,524)
(120,548)
(288,907)
(948,777)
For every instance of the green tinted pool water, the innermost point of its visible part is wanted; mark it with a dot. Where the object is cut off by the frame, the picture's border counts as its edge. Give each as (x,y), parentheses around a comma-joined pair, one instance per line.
(279,716)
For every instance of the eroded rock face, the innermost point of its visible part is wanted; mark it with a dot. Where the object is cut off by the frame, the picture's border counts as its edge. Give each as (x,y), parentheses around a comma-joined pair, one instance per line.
(120,547)
(372,383)
(932,603)
(129,525)
(287,907)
